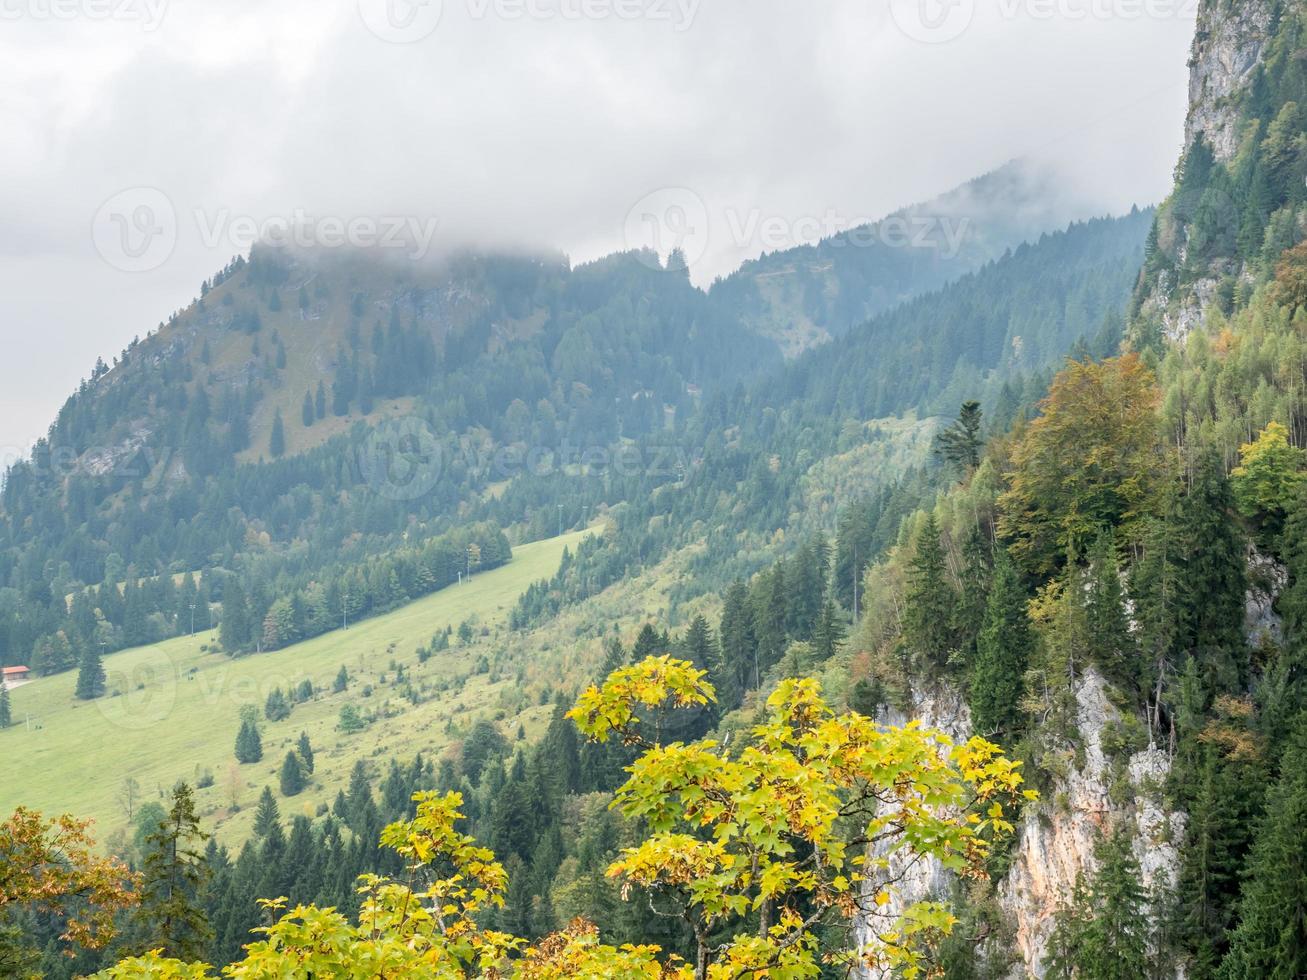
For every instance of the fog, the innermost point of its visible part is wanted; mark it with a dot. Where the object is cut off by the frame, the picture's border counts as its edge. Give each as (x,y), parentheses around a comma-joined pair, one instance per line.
(541,123)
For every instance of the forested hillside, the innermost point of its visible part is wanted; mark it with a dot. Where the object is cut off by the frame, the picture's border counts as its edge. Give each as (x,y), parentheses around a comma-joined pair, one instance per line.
(1021,694)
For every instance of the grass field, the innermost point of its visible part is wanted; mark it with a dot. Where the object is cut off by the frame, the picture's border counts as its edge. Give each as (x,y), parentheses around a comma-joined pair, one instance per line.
(175,711)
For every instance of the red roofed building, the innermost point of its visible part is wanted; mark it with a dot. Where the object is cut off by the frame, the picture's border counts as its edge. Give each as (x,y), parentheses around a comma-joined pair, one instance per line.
(14,675)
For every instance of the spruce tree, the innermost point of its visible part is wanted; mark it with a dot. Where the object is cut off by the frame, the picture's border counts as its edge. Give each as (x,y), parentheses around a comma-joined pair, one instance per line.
(1002,655)
(929,604)
(1103,933)
(277,441)
(739,651)
(830,631)
(267,818)
(234,634)
(6,711)
(342,680)
(173,876)
(249,744)
(1222,817)
(959,445)
(320,401)
(307,414)
(292,775)
(1212,580)
(1270,940)
(1111,645)
(305,750)
(90,676)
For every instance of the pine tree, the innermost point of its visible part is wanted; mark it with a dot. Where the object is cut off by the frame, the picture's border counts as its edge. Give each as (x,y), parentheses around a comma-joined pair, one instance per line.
(1103,933)
(1270,940)
(342,680)
(1002,655)
(267,818)
(6,711)
(739,652)
(307,414)
(305,750)
(320,401)
(959,445)
(234,633)
(830,631)
(173,876)
(292,775)
(930,600)
(277,441)
(249,744)
(90,676)
(1222,817)
(1111,644)
(1212,579)
(977,574)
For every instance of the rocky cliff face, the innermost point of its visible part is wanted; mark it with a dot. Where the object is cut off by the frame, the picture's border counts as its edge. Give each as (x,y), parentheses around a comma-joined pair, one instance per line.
(1230,43)
(1057,839)
(1228,46)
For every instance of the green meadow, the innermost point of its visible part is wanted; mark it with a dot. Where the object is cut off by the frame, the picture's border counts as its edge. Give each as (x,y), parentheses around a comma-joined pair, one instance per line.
(172,711)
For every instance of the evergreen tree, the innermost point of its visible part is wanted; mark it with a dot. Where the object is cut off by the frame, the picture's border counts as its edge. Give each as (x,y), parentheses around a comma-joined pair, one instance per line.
(307,414)
(6,711)
(977,572)
(277,441)
(267,818)
(1103,933)
(1212,579)
(320,401)
(249,744)
(959,445)
(739,652)
(174,873)
(1110,642)
(830,631)
(90,676)
(292,775)
(1222,817)
(930,600)
(1002,655)
(305,750)
(342,680)
(1270,940)
(234,634)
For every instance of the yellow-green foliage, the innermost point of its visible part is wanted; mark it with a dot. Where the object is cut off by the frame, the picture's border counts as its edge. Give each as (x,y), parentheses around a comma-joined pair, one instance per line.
(776,827)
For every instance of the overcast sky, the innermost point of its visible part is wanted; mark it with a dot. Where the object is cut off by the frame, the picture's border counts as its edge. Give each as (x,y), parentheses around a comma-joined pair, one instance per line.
(144,140)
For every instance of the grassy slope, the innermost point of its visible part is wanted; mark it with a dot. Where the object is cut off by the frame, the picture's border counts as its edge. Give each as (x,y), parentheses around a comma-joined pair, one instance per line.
(77,754)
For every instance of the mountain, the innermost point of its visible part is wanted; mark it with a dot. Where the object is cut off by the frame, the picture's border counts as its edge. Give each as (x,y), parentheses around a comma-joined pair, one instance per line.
(801,297)
(1098,571)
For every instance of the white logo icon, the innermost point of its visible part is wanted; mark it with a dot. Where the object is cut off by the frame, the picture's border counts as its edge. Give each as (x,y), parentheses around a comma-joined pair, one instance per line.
(136,229)
(669,220)
(401,21)
(933,21)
